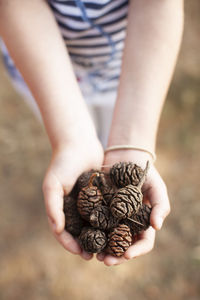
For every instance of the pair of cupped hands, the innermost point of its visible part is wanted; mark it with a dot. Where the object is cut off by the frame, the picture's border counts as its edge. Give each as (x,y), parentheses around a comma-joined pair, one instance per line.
(69,161)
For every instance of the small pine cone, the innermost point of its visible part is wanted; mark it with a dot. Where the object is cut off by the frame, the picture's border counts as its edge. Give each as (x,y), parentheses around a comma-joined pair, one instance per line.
(126,202)
(92,240)
(125,173)
(119,240)
(102,218)
(142,217)
(106,186)
(88,199)
(84,179)
(73,220)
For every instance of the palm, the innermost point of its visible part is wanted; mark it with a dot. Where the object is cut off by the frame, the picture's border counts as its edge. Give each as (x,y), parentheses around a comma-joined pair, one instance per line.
(155,194)
(65,167)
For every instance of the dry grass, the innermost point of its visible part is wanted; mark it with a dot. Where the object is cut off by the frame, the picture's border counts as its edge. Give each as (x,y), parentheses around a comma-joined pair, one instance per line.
(33,266)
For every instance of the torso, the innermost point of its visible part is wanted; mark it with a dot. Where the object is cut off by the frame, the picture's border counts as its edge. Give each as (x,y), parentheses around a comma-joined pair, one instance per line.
(94,33)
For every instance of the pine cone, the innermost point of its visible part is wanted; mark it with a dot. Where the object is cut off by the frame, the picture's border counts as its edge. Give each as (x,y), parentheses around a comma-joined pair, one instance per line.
(125,173)
(126,202)
(119,240)
(88,199)
(106,186)
(92,240)
(73,221)
(142,217)
(102,218)
(84,179)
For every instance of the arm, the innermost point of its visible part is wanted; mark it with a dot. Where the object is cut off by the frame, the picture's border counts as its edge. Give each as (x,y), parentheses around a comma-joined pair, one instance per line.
(152,44)
(33,39)
(151,48)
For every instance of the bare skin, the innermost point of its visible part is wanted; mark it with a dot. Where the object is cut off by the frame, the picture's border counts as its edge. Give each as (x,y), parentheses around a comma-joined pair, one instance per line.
(151,48)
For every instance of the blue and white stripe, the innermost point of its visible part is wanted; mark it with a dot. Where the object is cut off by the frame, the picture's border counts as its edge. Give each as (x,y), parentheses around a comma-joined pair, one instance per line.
(94,33)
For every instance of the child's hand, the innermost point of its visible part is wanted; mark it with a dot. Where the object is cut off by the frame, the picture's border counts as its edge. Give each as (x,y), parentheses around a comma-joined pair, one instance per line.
(155,193)
(66,165)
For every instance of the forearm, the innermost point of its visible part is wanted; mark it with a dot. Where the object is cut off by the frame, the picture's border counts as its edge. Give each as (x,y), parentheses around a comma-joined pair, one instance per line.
(151,48)
(33,39)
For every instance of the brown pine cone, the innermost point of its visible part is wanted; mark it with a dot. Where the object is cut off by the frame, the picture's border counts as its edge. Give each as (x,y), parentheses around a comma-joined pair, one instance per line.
(126,202)
(106,186)
(142,217)
(125,173)
(92,240)
(84,179)
(88,199)
(73,220)
(102,218)
(119,240)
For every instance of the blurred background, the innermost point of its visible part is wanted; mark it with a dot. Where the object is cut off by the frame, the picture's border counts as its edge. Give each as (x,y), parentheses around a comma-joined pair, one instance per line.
(34,266)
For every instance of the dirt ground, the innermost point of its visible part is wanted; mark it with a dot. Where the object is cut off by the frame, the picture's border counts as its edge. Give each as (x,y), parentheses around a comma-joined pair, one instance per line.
(33,265)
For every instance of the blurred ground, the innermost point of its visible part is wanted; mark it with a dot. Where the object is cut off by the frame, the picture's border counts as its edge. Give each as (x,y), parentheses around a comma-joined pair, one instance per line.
(33,266)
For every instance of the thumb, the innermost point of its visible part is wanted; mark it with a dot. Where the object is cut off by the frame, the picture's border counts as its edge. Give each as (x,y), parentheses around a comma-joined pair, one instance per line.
(53,196)
(160,206)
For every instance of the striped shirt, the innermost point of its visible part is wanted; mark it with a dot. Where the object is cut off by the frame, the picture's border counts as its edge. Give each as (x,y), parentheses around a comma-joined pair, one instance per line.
(94,33)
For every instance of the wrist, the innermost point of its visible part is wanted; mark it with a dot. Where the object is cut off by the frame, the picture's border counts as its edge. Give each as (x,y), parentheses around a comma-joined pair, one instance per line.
(76,138)
(136,156)
(135,122)
(71,131)
(137,139)
(131,147)
(140,133)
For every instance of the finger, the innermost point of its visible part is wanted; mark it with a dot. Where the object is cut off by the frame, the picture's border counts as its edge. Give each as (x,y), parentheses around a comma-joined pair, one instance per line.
(66,240)
(85,255)
(100,256)
(140,247)
(110,260)
(53,196)
(160,205)
(143,245)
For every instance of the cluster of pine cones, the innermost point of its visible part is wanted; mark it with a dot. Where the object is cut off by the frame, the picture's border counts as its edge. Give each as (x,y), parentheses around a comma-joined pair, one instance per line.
(105,210)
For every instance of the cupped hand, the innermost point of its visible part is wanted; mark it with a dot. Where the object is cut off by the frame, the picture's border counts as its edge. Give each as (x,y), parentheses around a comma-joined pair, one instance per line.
(155,194)
(67,164)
